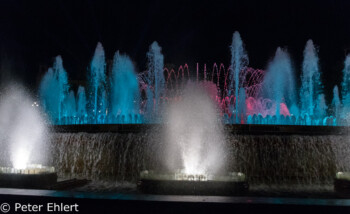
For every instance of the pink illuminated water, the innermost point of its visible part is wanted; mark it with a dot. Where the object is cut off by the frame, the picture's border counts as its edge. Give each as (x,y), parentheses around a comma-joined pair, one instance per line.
(242,94)
(214,79)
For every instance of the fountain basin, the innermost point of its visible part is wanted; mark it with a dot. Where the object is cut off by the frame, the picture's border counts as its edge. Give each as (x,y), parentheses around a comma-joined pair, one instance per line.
(32,177)
(342,182)
(192,184)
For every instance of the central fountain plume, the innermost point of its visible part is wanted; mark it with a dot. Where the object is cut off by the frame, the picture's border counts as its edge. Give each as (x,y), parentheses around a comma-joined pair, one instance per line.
(195,150)
(195,131)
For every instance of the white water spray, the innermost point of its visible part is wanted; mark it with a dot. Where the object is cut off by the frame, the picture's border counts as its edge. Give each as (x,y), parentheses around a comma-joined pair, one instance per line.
(23,131)
(195,132)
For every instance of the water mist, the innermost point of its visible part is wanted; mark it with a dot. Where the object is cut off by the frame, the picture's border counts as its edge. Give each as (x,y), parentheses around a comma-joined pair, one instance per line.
(194,131)
(23,131)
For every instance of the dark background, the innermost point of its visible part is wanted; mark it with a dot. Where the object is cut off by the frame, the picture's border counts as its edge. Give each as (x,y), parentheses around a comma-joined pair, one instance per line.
(33,32)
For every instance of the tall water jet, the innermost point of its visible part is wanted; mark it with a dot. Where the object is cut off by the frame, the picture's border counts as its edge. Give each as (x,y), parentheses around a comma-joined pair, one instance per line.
(155,77)
(279,84)
(320,108)
(102,107)
(311,86)
(241,107)
(345,87)
(97,82)
(54,89)
(336,104)
(70,105)
(196,134)
(62,83)
(149,108)
(125,94)
(239,61)
(237,83)
(81,102)
(23,132)
(48,92)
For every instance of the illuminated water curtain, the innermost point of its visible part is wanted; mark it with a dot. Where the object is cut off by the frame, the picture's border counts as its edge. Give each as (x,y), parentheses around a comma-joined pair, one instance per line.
(117,94)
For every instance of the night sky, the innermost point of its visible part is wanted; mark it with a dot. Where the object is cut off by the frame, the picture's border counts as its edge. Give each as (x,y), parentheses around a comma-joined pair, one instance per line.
(33,32)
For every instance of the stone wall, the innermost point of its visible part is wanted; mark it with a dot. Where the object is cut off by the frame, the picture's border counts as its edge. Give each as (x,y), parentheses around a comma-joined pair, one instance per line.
(264,158)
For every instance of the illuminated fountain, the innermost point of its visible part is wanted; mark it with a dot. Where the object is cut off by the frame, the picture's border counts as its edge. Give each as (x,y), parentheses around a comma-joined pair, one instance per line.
(311,87)
(239,61)
(244,95)
(195,133)
(239,94)
(54,90)
(195,153)
(279,84)
(23,141)
(124,90)
(345,85)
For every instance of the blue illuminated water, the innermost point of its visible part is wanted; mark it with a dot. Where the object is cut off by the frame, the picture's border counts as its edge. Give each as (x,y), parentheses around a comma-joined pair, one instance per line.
(81,103)
(54,91)
(239,60)
(279,83)
(336,102)
(124,89)
(311,86)
(97,81)
(155,79)
(345,85)
(116,92)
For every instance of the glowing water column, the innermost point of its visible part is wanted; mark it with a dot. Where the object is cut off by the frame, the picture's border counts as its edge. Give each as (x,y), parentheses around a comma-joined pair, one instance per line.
(279,84)
(81,102)
(336,102)
(345,85)
(125,92)
(155,77)
(239,61)
(54,89)
(23,129)
(195,135)
(70,105)
(48,88)
(62,80)
(97,82)
(311,86)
